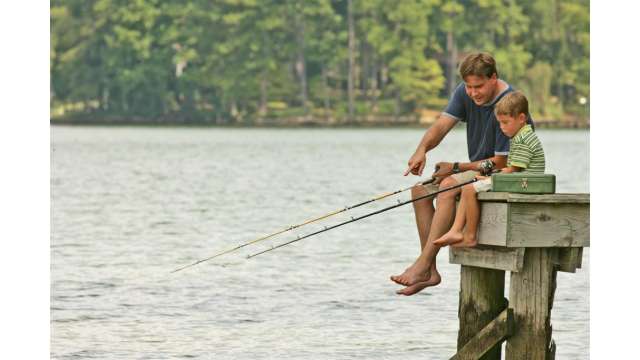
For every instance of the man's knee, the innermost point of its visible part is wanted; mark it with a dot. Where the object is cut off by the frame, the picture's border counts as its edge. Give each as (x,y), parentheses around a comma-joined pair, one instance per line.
(419,190)
(447,183)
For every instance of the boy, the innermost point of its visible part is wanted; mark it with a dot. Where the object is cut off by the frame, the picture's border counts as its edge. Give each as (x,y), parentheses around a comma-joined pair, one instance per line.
(525,155)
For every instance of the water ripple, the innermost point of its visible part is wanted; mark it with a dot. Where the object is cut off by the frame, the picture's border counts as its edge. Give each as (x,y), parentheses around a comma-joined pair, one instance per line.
(128,205)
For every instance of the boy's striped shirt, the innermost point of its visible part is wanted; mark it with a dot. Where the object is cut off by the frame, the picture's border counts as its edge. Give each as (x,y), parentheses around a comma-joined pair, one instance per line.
(526,151)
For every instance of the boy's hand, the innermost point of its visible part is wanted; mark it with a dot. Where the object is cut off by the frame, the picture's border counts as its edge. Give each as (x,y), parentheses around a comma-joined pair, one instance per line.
(416,163)
(480,177)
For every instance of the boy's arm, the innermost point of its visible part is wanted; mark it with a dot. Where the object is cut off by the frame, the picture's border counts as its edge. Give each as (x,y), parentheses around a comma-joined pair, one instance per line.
(520,157)
(511,169)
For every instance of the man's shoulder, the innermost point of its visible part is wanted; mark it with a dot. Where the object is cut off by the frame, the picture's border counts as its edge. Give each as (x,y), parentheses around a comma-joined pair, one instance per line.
(458,104)
(503,89)
(459,91)
(507,87)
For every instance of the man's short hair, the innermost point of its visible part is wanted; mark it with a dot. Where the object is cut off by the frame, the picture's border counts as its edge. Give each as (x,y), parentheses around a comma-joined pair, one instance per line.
(478,64)
(513,104)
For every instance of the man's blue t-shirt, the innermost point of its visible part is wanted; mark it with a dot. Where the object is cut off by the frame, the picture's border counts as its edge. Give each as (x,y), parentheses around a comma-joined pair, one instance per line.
(484,137)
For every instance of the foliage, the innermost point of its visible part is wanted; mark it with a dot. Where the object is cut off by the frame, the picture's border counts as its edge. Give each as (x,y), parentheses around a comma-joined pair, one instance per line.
(228,60)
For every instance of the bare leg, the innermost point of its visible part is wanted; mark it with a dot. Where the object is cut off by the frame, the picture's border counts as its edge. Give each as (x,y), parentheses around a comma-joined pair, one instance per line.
(454,235)
(420,271)
(424,211)
(470,197)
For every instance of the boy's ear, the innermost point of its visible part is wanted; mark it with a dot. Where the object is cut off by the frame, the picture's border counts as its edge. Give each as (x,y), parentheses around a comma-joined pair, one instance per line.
(522,117)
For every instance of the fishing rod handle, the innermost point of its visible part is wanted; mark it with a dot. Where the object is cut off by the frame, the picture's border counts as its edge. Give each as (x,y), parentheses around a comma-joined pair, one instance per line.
(429,181)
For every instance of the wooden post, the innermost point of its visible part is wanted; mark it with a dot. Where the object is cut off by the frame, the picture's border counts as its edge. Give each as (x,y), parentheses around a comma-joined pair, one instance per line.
(533,236)
(481,301)
(531,298)
(492,335)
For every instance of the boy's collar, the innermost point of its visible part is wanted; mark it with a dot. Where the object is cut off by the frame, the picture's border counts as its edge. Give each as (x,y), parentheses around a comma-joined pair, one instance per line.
(523,130)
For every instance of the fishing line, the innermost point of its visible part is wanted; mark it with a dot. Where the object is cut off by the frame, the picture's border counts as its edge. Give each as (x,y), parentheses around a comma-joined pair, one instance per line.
(362,217)
(292,227)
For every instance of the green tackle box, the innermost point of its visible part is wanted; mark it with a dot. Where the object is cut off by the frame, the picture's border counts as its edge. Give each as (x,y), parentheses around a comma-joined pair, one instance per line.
(524,183)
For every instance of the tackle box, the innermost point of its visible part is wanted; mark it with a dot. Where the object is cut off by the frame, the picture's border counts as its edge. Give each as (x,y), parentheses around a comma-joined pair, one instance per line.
(524,183)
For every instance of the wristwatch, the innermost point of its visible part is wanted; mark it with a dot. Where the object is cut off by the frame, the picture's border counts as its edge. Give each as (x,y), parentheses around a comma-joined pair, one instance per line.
(456,167)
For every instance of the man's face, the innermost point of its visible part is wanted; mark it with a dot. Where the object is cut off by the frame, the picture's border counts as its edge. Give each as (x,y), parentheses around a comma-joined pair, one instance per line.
(480,88)
(511,125)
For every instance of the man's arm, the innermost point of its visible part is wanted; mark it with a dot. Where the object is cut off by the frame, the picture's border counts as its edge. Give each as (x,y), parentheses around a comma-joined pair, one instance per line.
(446,168)
(432,137)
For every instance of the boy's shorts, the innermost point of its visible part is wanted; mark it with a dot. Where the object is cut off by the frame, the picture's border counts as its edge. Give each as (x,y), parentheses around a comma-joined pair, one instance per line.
(482,185)
(460,178)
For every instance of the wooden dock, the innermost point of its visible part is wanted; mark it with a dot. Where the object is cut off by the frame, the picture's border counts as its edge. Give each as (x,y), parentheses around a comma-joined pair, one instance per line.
(533,237)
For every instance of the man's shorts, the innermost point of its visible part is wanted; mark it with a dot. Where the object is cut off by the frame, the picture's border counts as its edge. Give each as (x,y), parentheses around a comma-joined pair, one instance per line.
(460,178)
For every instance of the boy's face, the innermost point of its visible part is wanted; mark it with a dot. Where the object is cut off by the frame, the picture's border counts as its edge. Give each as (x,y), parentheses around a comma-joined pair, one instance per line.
(481,89)
(511,125)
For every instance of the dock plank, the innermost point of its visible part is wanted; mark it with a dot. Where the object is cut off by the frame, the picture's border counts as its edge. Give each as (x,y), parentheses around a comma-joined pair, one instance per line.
(548,225)
(564,198)
(489,257)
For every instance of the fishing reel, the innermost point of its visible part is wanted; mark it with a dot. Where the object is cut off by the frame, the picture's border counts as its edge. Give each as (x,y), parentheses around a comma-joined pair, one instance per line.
(486,167)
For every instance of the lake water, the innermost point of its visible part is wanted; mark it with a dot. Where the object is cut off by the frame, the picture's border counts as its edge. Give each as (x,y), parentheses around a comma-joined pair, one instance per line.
(130,204)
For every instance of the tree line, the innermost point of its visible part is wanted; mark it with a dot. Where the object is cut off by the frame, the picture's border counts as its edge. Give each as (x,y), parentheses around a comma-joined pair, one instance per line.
(233,61)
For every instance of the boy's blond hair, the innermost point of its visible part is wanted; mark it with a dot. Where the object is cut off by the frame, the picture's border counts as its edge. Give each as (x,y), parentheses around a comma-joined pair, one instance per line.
(513,104)
(478,64)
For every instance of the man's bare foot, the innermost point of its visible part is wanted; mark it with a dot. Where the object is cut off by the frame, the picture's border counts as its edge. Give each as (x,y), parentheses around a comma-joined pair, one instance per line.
(416,273)
(449,238)
(416,288)
(468,241)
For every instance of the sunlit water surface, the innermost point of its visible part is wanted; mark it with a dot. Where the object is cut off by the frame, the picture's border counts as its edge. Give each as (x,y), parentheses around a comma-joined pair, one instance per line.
(131,204)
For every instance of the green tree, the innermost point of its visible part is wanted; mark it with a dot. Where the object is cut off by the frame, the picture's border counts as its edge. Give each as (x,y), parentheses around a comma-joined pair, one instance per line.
(229,59)
(398,34)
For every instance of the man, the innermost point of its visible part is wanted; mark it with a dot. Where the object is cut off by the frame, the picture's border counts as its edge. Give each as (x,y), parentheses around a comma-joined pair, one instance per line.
(472,102)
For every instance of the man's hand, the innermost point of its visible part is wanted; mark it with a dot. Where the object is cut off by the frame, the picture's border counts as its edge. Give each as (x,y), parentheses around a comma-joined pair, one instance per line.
(443,169)
(416,163)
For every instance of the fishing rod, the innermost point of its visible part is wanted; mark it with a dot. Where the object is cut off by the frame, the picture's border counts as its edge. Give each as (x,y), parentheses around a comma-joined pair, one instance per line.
(364,216)
(292,227)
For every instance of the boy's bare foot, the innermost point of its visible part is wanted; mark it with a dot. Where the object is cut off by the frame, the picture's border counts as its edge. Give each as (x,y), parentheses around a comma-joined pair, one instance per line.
(416,288)
(449,238)
(467,242)
(416,273)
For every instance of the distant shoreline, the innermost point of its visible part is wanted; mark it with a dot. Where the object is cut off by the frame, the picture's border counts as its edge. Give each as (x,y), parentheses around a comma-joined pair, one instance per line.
(292,122)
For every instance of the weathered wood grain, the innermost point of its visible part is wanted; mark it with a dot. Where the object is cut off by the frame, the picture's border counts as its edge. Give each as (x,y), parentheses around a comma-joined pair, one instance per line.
(568,259)
(550,198)
(552,350)
(533,236)
(521,220)
(481,301)
(489,257)
(531,294)
(491,335)
(548,225)
(535,198)
(493,224)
